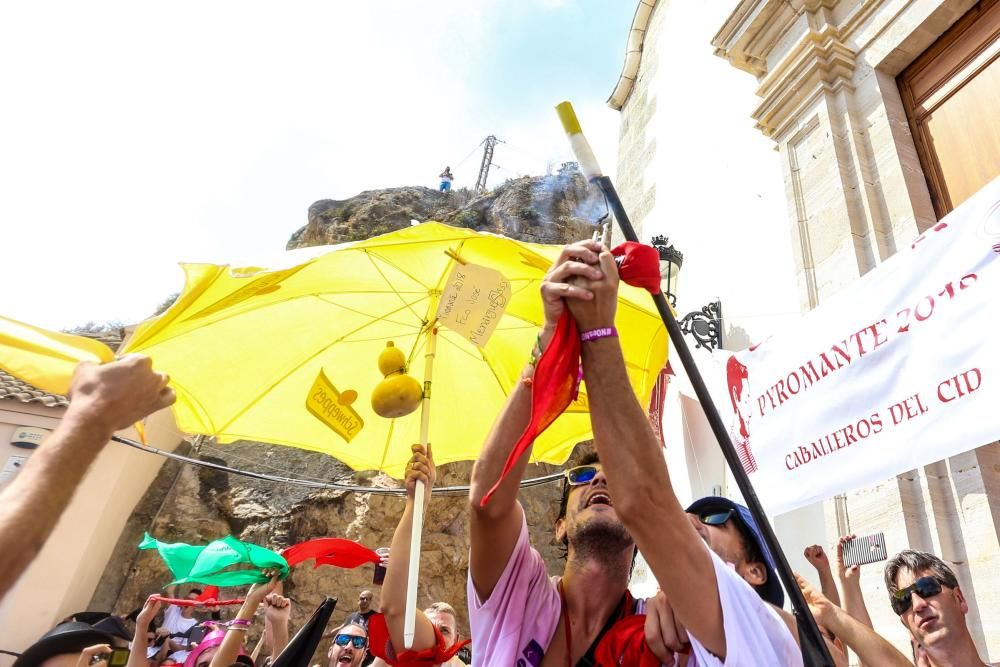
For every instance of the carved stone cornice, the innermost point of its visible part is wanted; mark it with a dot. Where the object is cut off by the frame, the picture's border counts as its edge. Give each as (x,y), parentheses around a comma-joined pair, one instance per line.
(792,49)
(819,61)
(751,32)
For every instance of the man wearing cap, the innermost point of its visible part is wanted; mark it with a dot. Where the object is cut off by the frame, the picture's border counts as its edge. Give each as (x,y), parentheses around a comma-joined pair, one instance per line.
(62,645)
(521,617)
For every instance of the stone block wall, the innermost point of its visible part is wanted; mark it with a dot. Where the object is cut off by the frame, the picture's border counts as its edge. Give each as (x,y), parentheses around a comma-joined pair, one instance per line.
(856,191)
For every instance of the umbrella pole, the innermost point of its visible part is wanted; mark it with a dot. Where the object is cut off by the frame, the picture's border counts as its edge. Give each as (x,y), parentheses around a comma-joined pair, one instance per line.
(410,617)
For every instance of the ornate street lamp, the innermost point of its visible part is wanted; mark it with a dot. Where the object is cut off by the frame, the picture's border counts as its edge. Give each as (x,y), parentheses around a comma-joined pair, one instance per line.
(704,325)
(671,260)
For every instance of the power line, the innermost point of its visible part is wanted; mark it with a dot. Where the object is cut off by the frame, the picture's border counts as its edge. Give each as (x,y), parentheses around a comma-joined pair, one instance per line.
(377,490)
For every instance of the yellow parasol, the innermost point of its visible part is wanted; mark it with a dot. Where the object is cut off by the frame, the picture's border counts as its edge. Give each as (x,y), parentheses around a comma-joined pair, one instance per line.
(290,356)
(46,359)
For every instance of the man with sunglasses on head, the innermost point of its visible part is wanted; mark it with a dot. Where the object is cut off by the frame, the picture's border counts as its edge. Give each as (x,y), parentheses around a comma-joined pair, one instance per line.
(521,617)
(924,593)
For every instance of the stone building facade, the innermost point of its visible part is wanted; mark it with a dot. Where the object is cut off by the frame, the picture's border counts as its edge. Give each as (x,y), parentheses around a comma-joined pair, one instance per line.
(834,179)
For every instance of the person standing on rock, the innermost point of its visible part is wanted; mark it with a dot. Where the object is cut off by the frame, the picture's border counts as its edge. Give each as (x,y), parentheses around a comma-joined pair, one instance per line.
(446,178)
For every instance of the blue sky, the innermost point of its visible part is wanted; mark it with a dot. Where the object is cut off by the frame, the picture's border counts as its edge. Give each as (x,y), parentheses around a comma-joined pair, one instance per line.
(136,136)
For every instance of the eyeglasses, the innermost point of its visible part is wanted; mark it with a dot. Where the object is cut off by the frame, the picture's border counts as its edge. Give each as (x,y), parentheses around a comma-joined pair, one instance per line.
(710,518)
(581,475)
(344,640)
(925,587)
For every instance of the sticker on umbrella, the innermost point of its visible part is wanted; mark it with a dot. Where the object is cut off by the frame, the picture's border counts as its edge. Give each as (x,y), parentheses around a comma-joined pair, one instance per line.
(473,302)
(333,407)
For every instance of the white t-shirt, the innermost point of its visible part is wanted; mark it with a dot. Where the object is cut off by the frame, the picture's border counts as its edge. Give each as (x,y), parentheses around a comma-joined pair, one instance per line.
(755,633)
(175,623)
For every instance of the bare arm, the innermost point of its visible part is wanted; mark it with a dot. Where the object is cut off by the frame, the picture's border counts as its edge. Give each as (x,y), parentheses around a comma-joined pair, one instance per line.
(871,648)
(637,475)
(494,528)
(420,468)
(850,581)
(236,634)
(103,399)
(140,642)
(817,557)
(277,610)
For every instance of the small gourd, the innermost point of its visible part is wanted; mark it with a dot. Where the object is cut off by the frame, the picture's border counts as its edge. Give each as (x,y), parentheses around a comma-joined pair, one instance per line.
(398,394)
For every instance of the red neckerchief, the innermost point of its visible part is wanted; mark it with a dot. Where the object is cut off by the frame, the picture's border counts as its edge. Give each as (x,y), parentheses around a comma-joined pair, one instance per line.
(557,380)
(623,612)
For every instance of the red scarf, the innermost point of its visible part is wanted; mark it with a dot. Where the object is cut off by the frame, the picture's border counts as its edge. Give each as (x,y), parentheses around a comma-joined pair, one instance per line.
(625,644)
(380,645)
(557,373)
(335,551)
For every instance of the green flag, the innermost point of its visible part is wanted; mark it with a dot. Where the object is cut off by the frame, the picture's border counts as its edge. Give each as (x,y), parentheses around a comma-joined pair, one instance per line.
(210,564)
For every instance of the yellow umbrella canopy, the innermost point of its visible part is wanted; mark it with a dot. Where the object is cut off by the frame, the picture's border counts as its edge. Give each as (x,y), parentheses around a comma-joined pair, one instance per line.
(278,356)
(46,359)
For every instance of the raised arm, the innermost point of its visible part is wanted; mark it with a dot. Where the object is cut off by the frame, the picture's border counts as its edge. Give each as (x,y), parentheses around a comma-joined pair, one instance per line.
(850,581)
(637,474)
(277,611)
(103,399)
(871,648)
(140,641)
(817,557)
(494,528)
(420,468)
(236,633)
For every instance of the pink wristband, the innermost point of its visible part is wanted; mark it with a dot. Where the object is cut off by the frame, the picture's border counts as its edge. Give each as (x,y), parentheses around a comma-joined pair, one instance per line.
(236,622)
(596,334)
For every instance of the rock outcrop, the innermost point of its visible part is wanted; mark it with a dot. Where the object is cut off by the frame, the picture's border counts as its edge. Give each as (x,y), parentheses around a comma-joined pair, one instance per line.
(540,209)
(195,505)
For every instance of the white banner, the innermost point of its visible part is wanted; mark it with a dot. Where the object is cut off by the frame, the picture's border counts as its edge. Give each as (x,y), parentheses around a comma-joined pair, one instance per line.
(898,370)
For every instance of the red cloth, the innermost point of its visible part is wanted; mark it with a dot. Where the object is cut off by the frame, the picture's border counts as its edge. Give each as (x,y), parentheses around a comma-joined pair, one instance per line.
(625,644)
(638,265)
(184,602)
(335,551)
(210,593)
(556,381)
(380,645)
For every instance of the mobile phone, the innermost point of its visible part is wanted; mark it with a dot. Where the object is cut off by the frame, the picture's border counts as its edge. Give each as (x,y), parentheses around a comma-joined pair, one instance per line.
(198,633)
(117,658)
(865,549)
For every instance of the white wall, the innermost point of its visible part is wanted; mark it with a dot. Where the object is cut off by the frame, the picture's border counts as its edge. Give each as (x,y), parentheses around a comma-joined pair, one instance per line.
(62,579)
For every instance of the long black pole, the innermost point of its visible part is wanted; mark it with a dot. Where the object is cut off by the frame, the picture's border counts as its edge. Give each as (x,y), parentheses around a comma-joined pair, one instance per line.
(814,652)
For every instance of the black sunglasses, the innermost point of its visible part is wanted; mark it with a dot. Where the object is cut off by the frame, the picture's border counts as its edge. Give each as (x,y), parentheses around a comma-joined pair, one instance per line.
(715,518)
(925,587)
(581,475)
(344,640)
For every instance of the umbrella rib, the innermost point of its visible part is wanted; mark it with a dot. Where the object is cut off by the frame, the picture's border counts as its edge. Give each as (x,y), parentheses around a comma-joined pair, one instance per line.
(299,365)
(371,258)
(324,298)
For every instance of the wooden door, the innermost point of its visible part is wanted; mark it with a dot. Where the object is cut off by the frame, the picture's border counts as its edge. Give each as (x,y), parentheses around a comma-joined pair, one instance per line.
(952,97)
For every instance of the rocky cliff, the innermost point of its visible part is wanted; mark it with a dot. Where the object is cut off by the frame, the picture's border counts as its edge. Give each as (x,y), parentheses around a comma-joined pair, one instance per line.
(541,209)
(195,505)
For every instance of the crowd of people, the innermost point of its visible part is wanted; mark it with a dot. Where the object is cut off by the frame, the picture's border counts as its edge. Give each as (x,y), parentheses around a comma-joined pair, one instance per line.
(720,601)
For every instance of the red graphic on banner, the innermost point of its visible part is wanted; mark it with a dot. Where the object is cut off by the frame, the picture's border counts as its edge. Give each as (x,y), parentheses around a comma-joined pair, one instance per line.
(737,377)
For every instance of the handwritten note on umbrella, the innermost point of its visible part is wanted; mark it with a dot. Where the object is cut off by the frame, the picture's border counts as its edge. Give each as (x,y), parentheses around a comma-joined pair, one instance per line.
(473,301)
